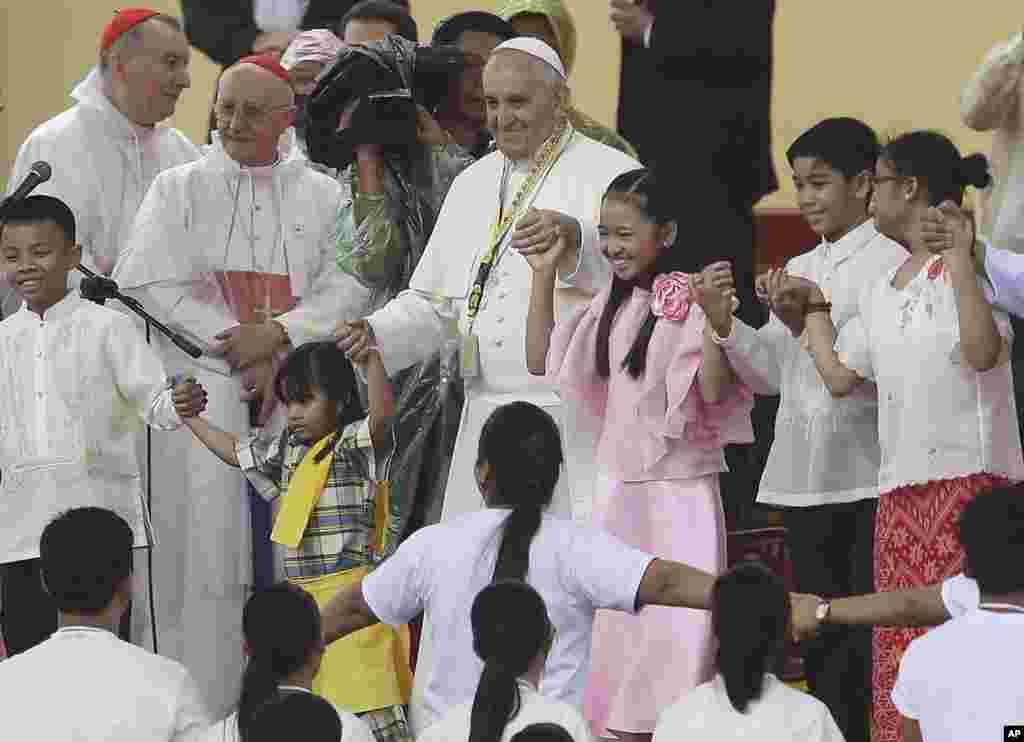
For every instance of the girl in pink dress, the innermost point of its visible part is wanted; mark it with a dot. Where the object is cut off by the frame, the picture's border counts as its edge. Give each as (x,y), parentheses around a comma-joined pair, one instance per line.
(633,365)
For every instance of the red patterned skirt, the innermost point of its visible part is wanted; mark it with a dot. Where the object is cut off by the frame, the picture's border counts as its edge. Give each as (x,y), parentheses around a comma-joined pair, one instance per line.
(916,544)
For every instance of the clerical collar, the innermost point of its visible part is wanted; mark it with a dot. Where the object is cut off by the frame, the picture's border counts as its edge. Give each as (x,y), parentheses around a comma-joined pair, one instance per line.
(258,170)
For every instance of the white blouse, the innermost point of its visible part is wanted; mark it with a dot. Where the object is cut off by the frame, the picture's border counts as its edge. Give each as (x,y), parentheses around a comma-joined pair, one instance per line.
(76,386)
(938,418)
(781,714)
(534,709)
(825,450)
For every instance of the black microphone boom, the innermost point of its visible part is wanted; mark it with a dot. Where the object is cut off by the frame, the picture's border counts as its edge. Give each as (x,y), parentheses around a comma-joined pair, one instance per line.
(98,289)
(38,174)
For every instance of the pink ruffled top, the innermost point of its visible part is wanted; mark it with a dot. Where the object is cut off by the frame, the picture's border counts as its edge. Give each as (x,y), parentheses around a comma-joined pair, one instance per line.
(657,426)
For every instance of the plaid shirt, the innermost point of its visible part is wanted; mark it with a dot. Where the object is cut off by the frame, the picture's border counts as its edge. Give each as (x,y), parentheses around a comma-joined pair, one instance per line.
(340,531)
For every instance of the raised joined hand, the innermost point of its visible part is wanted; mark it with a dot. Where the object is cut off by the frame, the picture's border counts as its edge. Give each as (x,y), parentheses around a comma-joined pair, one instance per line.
(355,339)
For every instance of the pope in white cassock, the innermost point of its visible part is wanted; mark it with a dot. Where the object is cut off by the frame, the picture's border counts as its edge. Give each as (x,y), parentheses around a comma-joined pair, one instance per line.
(235,251)
(106,150)
(547,181)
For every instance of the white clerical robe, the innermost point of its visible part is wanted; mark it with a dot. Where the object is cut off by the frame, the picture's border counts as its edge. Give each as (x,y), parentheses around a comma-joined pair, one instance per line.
(103,164)
(202,227)
(413,325)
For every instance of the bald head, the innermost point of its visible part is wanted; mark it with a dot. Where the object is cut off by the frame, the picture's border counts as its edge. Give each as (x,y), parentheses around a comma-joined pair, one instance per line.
(526,98)
(254,108)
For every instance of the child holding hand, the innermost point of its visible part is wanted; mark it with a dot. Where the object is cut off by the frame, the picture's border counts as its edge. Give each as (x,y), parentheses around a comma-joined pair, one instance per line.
(329,471)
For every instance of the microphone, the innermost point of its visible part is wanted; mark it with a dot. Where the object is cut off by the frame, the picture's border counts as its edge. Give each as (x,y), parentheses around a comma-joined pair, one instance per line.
(39,173)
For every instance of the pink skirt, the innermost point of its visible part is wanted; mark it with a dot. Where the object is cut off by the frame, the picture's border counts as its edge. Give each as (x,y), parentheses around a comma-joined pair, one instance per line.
(642,664)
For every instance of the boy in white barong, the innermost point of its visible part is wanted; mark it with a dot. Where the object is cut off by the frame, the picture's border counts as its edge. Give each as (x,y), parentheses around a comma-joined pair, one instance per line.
(77,382)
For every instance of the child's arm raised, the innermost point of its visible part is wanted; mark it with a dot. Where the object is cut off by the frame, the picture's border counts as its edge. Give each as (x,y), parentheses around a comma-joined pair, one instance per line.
(980,342)
(381,400)
(793,291)
(540,319)
(715,295)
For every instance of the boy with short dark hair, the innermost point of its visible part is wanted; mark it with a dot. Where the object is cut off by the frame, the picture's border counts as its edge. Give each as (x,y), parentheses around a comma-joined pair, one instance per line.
(823,465)
(77,383)
(84,683)
(962,680)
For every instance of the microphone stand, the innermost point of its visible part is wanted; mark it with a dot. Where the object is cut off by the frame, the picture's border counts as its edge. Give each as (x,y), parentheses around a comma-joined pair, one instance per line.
(99,289)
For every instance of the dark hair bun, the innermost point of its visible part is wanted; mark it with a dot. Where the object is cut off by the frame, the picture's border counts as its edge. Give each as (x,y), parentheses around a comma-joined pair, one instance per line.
(973,171)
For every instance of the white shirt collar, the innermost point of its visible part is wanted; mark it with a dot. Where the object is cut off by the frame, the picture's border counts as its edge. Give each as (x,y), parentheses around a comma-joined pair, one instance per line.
(82,630)
(850,242)
(63,308)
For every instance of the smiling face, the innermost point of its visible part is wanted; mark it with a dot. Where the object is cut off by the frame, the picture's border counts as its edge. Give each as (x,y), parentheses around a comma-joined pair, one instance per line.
(149,72)
(630,241)
(38,257)
(831,203)
(522,103)
(254,108)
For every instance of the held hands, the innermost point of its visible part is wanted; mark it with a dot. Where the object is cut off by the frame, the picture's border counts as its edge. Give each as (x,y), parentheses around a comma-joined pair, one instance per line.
(544,237)
(714,290)
(804,610)
(788,297)
(949,230)
(189,398)
(356,340)
(631,19)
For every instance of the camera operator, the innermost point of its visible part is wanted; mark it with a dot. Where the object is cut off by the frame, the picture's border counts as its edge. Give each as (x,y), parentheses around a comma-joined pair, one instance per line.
(368,117)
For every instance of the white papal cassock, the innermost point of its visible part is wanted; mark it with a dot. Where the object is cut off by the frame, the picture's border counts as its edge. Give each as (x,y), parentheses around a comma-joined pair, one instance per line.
(413,325)
(216,244)
(103,164)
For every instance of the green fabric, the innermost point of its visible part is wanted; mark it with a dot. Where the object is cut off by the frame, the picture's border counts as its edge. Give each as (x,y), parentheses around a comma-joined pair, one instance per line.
(558,17)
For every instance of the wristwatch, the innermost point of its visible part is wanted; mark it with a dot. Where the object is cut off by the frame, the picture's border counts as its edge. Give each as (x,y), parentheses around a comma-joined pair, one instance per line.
(822,611)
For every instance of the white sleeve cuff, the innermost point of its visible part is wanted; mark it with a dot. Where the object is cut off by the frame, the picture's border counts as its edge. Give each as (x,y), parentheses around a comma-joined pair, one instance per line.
(647,35)
(568,277)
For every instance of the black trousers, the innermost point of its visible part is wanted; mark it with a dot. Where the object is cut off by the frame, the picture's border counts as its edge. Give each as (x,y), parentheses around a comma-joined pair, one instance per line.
(29,613)
(832,551)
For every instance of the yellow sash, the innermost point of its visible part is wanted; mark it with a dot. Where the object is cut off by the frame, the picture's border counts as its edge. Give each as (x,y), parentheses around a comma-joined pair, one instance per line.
(304,490)
(366,670)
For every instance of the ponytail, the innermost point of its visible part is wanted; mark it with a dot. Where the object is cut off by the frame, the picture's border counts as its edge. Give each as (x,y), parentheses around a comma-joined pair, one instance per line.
(510,629)
(282,631)
(750,614)
(259,687)
(523,447)
(495,703)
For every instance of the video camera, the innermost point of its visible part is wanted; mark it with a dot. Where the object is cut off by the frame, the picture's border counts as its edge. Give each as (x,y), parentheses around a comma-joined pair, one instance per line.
(382,83)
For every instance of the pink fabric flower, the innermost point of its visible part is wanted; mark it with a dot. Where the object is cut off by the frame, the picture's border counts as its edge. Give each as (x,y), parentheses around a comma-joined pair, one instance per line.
(671,296)
(935,269)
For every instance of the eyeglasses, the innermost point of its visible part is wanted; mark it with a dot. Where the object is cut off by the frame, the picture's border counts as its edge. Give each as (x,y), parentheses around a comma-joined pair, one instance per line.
(254,115)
